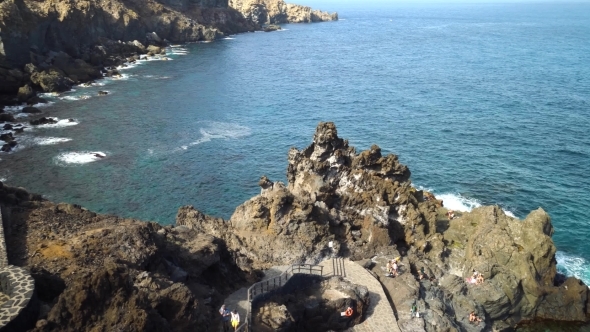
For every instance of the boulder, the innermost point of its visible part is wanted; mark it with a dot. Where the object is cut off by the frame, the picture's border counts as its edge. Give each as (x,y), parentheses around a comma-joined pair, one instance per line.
(11,80)
(4,117)
(25,93)
(31,110)
(154,49)
(103,93)
(52,80)
(31,68)
(36,100)
(8,146)
(6,137)
(271,27)
(42,121)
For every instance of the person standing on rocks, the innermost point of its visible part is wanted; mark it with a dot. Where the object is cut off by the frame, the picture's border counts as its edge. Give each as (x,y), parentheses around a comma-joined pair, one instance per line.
(235,319)
(225,316)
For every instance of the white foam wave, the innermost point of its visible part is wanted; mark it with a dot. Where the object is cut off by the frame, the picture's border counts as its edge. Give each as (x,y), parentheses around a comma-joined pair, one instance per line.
(2,179)
(128,65)
(78,158)
(458,203)
(14,109)
(50,140)
(74,98)
(175,45)
(509,213)
(49,95)
(218,130)
(120,77)
(60,123)
(41,105)
(571,265)
(21,115)
(228,38)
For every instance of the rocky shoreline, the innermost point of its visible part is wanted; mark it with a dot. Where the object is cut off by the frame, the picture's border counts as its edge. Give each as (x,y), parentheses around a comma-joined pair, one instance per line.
(51,46)
(144,277)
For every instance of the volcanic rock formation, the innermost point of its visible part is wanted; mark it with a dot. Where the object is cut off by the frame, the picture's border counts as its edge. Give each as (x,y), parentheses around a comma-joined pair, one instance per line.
(363,206)
(277,11)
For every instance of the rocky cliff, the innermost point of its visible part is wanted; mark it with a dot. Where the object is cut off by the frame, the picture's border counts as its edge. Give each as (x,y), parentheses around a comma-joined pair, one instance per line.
(277,11)
(95,34)
(364,204)
(103,273)
(337,201)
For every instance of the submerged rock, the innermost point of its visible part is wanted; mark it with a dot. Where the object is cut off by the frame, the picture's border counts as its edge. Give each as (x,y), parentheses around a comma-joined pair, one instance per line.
(42,121)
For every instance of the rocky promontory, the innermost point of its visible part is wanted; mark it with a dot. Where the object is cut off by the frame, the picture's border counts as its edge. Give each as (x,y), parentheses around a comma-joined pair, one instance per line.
(363,206)
(277,12)
(104,273)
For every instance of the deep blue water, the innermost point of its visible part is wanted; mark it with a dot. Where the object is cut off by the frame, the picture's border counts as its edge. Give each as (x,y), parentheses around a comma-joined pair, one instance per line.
(486,103)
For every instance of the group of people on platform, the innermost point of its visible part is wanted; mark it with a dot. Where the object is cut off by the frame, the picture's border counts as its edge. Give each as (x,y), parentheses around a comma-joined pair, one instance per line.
(227,317)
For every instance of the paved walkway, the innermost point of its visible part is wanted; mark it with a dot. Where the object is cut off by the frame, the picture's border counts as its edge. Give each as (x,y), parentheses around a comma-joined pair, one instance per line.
(239,299)
(380,316)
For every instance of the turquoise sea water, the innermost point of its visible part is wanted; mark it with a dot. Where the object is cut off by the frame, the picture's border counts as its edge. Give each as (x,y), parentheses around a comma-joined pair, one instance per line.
(486,103)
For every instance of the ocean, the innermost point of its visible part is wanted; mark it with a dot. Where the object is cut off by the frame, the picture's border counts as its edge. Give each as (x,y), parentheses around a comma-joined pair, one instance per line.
(486,103)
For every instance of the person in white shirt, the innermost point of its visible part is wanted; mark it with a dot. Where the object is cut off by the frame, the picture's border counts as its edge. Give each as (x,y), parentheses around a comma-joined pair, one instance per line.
(235,319)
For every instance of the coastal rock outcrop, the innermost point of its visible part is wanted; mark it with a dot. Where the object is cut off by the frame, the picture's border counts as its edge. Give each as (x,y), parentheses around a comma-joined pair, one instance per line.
(277,12)
(363,206)
(104,273)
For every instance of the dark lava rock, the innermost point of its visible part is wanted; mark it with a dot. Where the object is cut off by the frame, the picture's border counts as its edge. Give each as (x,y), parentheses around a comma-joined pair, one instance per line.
(103,93)
(42,121)
(271,27)
(36,100)
(6,117)
(31,110)
(6,137)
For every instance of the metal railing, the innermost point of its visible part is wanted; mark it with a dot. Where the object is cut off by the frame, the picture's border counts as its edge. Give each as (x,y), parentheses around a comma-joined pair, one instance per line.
(265,286)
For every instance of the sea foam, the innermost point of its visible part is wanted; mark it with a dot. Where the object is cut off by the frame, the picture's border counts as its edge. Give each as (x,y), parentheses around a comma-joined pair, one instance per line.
(60,123)
(572,265)
(221,130)
(78,158)
(50,140)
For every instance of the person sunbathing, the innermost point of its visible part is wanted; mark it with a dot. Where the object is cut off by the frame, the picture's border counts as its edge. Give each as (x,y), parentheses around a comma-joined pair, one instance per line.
(479,279)
(473,318)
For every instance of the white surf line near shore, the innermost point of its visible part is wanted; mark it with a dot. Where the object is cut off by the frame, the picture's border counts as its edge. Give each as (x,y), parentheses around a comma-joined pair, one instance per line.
(458,202)
(60,123)
(571,265)
(50,140)
(79,157)
(215,130)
